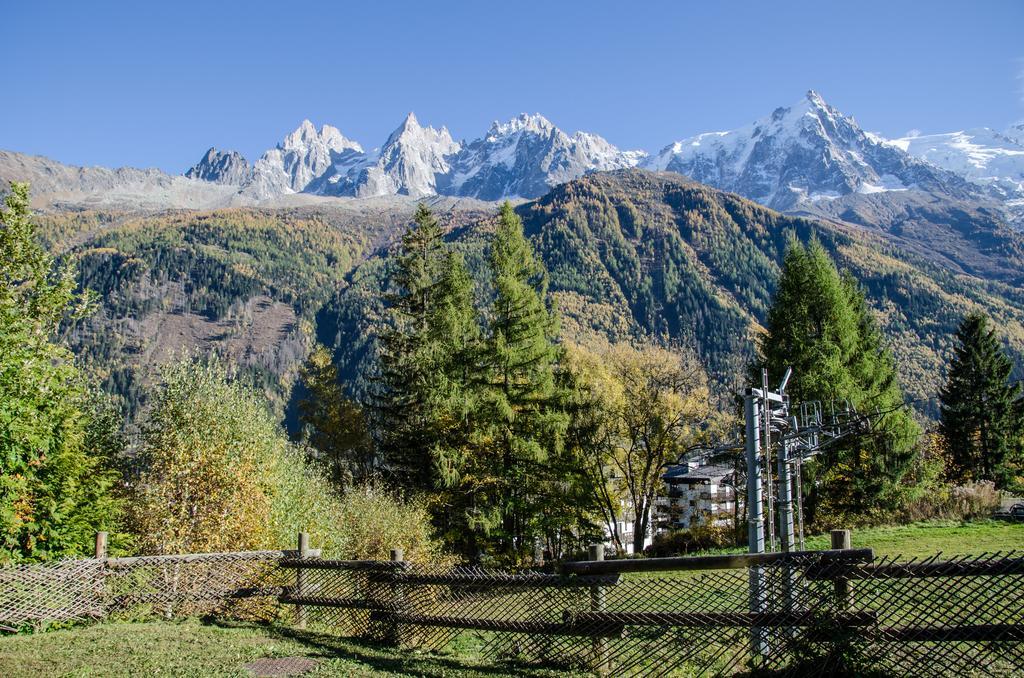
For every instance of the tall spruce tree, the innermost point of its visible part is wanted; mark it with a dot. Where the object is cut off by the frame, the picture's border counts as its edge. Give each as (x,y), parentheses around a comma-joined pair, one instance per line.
(427,356)
(522,421)
(820,325)
(982,411)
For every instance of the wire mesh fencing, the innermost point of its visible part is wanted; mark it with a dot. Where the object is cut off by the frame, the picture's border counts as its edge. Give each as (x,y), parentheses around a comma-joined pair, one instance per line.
(802,614)
(832,612)
(62,591)
(242,585)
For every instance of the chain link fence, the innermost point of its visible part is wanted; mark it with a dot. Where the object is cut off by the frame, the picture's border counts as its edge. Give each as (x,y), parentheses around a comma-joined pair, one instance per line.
(242,585)
(803,614)
(832,612)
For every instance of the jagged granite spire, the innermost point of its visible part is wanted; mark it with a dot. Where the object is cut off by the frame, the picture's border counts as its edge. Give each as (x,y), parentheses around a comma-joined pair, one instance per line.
(222,167)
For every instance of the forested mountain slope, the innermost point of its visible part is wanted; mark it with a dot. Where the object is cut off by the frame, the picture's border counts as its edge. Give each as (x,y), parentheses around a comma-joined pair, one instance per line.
(656,257)
(632,255)
(244,283)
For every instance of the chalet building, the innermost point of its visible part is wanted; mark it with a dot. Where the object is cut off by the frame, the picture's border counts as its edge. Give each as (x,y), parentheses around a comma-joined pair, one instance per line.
(693,495)
(696,495)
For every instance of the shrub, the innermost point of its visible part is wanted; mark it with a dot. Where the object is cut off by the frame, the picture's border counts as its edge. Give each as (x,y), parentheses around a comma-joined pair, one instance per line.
(363,524)
(217,473)
(374,520)
(681,542)
(961,502)
(205,468)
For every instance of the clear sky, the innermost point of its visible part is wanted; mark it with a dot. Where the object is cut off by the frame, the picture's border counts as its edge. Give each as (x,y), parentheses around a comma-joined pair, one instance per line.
(156,83)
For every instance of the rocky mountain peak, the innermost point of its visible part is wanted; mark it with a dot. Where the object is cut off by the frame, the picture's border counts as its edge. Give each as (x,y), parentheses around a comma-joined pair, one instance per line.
(409,162)
(221,167)
(1016,132)
(410,132)
(306,138)
(801,154)
(524,122)
(815,99)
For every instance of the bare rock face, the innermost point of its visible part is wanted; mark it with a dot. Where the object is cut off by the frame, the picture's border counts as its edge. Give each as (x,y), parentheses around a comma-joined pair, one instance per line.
(56,185)
(222,167)
(410,162)
(522,158)
(798,159)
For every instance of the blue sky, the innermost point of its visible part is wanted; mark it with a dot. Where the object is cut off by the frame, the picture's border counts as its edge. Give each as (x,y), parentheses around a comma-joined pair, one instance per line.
(155,84)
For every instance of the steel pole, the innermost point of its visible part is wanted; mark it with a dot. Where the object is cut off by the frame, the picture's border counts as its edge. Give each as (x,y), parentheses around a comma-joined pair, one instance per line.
(755,517)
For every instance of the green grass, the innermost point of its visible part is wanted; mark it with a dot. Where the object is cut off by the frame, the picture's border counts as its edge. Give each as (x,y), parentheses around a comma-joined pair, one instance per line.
(928,538)
(951,537)
(193,648)
(916,540)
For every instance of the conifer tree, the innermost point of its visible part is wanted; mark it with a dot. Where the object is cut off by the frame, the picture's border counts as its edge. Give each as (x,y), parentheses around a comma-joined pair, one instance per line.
(427,356)
(982,411)
(522,422)
(820,325)
(54,492)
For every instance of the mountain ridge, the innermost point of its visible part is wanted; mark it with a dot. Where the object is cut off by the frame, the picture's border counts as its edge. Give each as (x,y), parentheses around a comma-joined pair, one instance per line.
(799,159)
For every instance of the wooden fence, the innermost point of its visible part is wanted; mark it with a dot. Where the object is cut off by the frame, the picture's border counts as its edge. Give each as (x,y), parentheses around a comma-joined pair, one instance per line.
(804,612)
(816,612)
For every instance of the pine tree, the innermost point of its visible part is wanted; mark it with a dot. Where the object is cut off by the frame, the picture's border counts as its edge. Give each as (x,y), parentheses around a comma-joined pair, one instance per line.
(407,356)
(54,491)
(427,359)
(982,416)
(522,422)
(820,325)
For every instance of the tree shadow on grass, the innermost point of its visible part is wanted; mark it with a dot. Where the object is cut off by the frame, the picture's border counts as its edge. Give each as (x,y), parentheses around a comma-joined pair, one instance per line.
(382,657)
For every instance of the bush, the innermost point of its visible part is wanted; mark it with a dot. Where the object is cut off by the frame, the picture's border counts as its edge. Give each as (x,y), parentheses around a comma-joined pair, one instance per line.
(206,467)
(941,502)
(217,473)
(682,542)
(363,524)
(959,502)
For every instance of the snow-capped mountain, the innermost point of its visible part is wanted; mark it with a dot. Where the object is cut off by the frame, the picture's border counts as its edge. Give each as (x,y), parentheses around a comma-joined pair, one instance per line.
(302,157)
(806,158)
(526,157)
(802,154)
(222,167)
(986,157)
(409,163)
(522,158)
(1016,132)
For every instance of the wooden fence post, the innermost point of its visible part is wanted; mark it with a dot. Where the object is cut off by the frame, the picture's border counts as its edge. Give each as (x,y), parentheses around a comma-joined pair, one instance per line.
(841,540)
(300,577)
(597,604)
(397,602)
(101,546)
(101,580)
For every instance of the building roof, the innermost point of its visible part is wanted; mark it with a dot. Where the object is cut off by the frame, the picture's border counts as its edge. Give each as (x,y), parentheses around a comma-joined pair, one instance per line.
(683,473)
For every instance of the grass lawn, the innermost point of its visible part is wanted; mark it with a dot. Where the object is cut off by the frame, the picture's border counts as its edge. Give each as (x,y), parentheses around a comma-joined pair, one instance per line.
(928,538)
(951,537)
(920,540)
(192,648)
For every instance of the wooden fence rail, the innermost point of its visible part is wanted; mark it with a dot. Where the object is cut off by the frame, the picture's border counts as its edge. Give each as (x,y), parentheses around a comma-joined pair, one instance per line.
(589,613)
